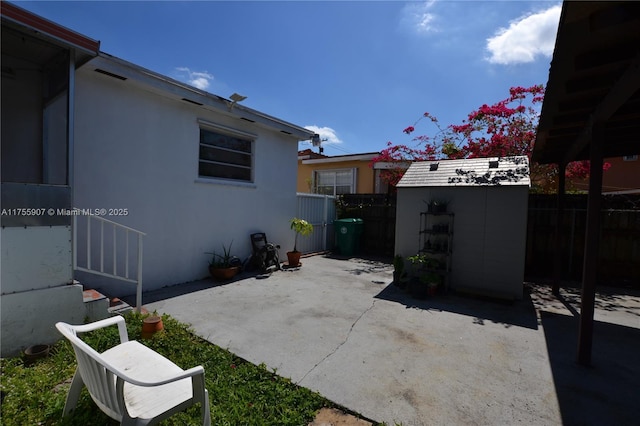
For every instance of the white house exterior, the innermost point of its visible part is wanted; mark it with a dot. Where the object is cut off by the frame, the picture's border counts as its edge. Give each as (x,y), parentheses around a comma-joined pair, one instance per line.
(191,170)
(138,148)
(488,198)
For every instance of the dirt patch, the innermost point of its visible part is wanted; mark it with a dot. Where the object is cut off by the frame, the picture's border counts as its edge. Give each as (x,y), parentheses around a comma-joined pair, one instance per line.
(333,417)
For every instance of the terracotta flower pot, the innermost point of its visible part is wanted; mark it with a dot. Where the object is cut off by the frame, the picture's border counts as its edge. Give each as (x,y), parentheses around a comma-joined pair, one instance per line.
(294,258)
(151,325)
(223,274)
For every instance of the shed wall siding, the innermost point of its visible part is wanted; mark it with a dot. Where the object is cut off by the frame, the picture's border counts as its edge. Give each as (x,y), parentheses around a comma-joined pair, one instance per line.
(138,150)
(504,254)
(469,236)
(489,239)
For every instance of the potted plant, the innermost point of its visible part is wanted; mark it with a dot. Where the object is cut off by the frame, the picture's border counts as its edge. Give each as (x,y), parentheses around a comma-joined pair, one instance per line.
(399,274)
(300,227)
(427,279)
(224,266)
(432,280)
(437,206)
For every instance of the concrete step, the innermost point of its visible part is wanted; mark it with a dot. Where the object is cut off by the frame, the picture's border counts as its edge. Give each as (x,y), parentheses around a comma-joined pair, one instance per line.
(96,305)
(119,307)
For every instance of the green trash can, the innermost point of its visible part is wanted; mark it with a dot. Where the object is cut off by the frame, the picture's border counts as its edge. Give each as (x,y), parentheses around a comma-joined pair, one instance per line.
(348,233)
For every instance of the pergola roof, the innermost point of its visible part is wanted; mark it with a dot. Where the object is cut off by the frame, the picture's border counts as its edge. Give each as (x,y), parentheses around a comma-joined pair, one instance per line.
(594,80)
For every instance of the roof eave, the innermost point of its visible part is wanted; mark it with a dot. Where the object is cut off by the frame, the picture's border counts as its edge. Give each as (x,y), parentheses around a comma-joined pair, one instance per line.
(45,29)
(162,84)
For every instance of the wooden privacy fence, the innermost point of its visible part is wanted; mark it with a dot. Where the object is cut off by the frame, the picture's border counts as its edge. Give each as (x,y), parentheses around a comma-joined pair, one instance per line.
(378,213)
(619,242)
(619,238)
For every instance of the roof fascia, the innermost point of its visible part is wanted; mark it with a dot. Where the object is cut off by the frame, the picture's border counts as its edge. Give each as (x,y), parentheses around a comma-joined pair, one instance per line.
(167,86)
(49,29)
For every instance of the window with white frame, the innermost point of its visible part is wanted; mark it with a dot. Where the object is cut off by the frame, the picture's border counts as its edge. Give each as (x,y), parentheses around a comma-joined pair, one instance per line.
(225,156)
(335,182)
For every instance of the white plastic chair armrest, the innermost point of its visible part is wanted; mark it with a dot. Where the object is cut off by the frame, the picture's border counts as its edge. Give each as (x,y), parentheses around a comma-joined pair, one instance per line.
(195,371)
(122,327)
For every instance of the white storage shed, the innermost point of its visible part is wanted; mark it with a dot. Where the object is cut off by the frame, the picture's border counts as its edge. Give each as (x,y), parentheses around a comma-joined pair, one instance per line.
(484,223)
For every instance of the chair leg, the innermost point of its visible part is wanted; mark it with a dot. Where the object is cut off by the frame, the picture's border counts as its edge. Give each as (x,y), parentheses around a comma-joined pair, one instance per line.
(74,393)
(206,411)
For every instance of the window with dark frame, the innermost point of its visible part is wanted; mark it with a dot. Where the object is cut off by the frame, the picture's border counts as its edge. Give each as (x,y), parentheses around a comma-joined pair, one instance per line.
(224,156)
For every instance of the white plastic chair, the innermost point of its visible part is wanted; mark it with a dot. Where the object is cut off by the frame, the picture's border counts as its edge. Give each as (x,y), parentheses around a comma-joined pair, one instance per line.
(130,382)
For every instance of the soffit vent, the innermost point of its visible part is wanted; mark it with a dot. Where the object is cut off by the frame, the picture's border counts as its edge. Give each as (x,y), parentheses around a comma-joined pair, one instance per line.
(110,74)
(192,102)
(285,132)
(247,119)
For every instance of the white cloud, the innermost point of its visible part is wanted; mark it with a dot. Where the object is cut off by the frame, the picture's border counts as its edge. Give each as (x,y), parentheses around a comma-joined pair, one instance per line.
(199,79)
(327,134)
(419,17)
(526,38)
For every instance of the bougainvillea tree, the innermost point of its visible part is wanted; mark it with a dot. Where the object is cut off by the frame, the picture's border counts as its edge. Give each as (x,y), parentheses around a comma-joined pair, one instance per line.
(506,128)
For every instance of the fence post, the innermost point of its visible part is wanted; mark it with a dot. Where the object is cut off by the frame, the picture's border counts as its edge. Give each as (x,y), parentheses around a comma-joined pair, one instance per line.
(325,216)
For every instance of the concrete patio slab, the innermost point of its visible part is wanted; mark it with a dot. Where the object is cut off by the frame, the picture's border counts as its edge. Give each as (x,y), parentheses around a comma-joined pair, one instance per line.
(339,327)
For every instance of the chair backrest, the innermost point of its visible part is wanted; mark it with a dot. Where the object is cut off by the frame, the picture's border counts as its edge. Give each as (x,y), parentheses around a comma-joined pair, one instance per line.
(258,241)
(96,373)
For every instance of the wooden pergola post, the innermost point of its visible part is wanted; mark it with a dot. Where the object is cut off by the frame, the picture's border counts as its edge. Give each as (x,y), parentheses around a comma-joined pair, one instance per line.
(592,237)
(557,267)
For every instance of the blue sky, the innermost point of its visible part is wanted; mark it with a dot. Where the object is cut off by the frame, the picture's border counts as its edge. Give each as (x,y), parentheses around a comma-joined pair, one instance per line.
(359,71)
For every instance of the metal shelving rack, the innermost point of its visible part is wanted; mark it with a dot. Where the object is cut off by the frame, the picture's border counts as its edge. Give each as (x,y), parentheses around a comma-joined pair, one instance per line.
(436,240)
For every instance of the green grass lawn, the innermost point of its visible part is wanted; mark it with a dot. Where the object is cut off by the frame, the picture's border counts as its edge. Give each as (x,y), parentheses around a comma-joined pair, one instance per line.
(240,393)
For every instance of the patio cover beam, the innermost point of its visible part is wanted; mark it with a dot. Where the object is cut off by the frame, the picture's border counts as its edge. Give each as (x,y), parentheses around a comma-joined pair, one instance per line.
(619,93)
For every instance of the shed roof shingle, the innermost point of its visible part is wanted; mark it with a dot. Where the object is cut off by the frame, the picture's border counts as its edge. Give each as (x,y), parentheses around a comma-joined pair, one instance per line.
(494,171)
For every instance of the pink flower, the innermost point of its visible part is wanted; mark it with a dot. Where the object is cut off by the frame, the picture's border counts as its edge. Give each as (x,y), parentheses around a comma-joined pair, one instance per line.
(409,130)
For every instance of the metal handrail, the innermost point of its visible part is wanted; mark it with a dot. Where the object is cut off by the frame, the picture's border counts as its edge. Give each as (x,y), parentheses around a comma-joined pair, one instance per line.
(113,273)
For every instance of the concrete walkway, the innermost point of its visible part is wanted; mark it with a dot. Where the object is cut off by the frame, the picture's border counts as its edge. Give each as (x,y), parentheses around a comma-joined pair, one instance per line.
(337,326)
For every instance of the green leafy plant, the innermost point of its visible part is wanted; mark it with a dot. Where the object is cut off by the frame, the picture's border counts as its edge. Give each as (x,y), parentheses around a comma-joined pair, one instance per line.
(437,206)
(398,264)
(399,273)
(300,227)
(425,268)
(423,260)
(224,260)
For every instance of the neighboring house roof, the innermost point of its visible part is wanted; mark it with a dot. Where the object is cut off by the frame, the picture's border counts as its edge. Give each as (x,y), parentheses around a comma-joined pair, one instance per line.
(494,171)
(309,154)
(340,158)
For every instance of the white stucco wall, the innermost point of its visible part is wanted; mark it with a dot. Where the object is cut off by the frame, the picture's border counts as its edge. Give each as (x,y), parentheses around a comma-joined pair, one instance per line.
(489,240)
(36,271)
(35,257)
(29,318)
(138,150)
